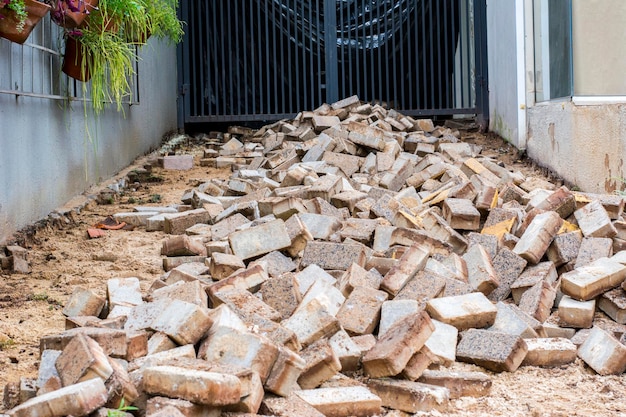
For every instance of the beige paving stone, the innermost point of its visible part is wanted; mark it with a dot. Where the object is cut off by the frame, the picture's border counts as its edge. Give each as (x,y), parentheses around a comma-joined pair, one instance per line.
(394,349)
(460,384)
(472,310)
(345,401)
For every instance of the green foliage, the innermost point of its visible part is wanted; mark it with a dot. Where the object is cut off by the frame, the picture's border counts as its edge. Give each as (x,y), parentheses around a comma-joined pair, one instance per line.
(6,344)
(43,296)
(163,21)
(19,8)
(109,59)
(121,410)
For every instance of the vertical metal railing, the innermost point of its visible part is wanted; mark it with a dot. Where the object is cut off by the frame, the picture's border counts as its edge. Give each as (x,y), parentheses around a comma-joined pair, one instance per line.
(33,69)
(255,60)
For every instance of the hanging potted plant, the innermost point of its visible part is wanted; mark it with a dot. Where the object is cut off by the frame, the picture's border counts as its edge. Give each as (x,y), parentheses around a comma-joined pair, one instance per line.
(102,49)
(72,13)
(104,58)
(163,21)
(19,17)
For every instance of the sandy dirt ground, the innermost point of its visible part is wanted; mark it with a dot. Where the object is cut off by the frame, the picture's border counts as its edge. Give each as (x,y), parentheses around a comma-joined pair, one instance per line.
(63,257)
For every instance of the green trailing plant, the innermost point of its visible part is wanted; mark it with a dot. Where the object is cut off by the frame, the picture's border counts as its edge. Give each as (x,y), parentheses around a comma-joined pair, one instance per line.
(109,60)
(163,21)
(19,9)
(128,16)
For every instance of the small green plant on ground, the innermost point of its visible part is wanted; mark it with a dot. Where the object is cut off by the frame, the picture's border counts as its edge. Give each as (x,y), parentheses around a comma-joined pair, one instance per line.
(121,410)
(6,343)
(42,296)
(155,198)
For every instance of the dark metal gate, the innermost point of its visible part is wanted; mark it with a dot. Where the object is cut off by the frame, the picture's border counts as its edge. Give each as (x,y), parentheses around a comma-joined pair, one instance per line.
(261,60)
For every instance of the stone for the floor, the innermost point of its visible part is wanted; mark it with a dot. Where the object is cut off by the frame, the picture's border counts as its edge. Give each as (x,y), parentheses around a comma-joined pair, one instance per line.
(459,384)
(494,351)
(472,310)
(591,280)
(409,396)
(341,402)
(603,352)
(394,349)
(549,352)
(78,399)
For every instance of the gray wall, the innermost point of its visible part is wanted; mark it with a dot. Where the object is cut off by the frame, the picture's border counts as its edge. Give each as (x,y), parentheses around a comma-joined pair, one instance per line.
(47,157)
(503,72)
(584,144)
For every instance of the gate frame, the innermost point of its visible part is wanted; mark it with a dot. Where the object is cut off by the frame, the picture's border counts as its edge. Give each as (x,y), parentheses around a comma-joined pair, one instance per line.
(331,87)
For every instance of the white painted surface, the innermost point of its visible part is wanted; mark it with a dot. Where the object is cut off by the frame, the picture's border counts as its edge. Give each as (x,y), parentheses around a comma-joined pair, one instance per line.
(505,44)
(46,156)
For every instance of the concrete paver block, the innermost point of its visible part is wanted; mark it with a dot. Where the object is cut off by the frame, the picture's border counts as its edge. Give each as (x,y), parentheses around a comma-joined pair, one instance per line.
(341,402)
(591,280)
(413,260)
(494,351)
(360,313)
(311,323)
(332,256)
(549,352)
(481,274)
(394,349)
(82,359)
(473,310)
(409,396)
(603,352)
(594,221)
(259,240)
(576,314)
(321,364)
(538,236)
(613,303)
(176,224)
(184,322)
(209,388)
(78,399)
(285,372)
(460,384)
(84,302)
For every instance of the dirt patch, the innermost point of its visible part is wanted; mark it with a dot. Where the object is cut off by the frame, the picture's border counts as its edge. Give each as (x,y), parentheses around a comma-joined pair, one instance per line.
(62,257)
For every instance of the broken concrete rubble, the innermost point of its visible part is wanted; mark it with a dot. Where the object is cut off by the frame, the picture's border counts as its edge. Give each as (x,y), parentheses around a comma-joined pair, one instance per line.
(349,245)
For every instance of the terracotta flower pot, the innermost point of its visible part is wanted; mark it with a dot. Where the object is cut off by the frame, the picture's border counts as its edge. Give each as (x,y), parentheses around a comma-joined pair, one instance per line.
(66,18)
(72,61)
(8,26)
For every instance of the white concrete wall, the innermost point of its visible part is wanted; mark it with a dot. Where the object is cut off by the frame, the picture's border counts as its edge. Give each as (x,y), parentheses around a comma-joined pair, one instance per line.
(599,47)
(585,145)
(583,139)
(46,156)
(504,97)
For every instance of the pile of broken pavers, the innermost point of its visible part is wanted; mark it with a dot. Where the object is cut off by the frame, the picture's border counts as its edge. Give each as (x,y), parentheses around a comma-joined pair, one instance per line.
(351,258)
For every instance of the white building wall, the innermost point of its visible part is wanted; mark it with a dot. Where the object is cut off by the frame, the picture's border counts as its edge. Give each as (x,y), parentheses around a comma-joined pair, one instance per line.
(583,138)
(505,44)
(46,156)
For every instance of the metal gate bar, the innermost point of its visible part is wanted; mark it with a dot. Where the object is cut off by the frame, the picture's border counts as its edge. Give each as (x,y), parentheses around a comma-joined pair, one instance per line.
(261,60)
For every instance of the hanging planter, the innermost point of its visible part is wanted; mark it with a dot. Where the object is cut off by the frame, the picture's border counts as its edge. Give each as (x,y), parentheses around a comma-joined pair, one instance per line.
(75,63)
(19,17)
(71,14)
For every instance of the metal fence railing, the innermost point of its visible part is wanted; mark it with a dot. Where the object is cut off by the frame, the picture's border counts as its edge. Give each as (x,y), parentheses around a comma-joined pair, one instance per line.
(33,69)
(269,59)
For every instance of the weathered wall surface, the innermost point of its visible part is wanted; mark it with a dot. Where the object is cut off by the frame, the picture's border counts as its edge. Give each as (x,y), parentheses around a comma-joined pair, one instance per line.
(585,145)
(47,156)
(502,61)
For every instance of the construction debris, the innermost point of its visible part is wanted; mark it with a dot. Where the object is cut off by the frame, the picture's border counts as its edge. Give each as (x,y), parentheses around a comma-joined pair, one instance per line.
(354,254)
